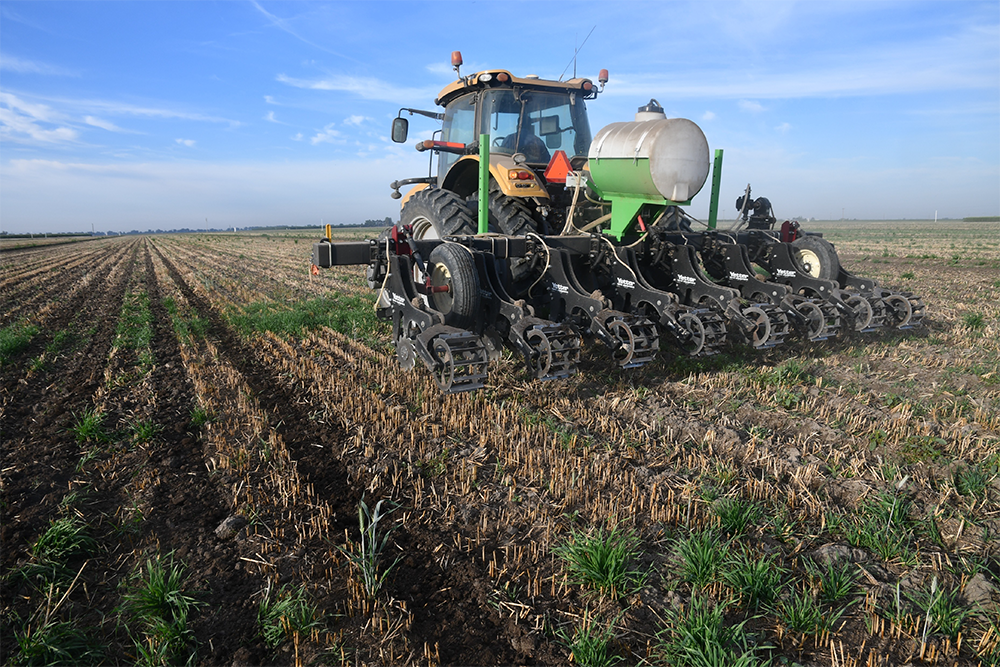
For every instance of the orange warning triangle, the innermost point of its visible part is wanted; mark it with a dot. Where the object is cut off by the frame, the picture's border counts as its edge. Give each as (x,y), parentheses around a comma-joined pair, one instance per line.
(558,167)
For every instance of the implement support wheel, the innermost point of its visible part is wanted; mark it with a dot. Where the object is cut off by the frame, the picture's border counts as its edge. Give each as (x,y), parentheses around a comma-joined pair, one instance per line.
(816,257)
(453,271)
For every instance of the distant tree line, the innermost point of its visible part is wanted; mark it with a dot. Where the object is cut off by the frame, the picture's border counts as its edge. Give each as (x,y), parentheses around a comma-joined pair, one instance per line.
(49,235)
(983,218)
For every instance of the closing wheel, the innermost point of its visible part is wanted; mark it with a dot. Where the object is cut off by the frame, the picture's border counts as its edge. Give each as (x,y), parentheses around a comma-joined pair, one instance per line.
(815,320)
(694,326)
(863,313)
(626,341)
(816,257)
(406,353)
(434,213)
(455,285)
(900,309)
(762,329)
(542,349)
(445,373)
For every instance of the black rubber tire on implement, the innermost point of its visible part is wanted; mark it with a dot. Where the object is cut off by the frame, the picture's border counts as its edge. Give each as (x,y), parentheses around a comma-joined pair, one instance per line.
(452,265)
(436,213)
(508,215)
(822,250)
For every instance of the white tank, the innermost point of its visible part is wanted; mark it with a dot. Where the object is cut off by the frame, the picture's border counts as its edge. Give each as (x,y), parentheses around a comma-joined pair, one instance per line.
(665,158)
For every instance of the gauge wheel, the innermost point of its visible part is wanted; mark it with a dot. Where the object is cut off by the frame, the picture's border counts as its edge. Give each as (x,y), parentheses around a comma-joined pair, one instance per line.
(454,285)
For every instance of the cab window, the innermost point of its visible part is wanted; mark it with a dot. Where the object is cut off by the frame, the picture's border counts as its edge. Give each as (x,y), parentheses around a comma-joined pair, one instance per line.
(535,123)
(459,126)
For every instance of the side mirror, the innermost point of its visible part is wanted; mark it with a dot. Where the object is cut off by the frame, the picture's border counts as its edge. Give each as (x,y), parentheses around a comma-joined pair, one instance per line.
(400,126)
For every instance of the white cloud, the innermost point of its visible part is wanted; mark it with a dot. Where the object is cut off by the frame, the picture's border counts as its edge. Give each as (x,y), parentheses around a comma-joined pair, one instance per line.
(440,68)
(8,15)
(751,106)
(286,25)
(708,115)
(365,87)
(186,142)
(24,122)
(784,127)
(270,118)
(103,124)
(21,66)
(297,136)
(111,108)
(326,135)
(270,100)
(355,120)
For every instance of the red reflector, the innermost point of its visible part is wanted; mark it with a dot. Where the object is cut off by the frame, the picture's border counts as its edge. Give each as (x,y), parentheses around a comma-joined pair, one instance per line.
(588,85)
(558,167)
(502,77)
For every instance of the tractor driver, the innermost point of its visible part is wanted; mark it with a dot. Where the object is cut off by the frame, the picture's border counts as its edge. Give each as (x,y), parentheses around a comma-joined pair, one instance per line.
(531,145)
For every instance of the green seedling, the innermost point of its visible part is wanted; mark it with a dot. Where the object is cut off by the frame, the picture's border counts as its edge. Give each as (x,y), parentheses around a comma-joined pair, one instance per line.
(157,601)
(943,612)
(199,417)
(65,539)
(366,554)
(883,525)
(90,427)
(974,320)
(736,516)
(14,338)
(836,583)
(590,645)
(754,579)
(144,431)
(971,481)
(601,560)
(56,643)
(285,614)
(702,554)
(802,613)
(698,635)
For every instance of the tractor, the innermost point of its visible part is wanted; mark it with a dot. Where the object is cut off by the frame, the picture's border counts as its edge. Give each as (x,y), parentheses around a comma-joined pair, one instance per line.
(534,234)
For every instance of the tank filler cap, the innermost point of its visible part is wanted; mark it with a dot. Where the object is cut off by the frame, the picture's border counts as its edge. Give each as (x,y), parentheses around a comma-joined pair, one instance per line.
(651,111)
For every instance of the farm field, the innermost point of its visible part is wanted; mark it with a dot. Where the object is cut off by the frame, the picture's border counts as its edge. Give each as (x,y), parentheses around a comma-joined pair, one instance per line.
(7,244)
(210,456)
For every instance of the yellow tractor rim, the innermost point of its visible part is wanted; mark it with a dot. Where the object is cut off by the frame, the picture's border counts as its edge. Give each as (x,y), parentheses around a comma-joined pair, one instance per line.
(810,261)
(440,275)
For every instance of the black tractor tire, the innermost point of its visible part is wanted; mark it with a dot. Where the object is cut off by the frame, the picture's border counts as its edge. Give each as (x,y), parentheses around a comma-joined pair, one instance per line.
(816,257)
(452,266)
(436,213)
(507,215)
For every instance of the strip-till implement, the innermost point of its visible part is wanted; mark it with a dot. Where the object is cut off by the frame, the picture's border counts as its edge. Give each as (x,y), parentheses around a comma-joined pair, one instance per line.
(578,236)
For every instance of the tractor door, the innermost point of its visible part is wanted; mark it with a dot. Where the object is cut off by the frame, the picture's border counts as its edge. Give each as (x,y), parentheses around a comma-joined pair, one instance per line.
(459,127)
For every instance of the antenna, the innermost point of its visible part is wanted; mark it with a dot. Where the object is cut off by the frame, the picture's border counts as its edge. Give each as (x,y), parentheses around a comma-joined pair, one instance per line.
(577,50)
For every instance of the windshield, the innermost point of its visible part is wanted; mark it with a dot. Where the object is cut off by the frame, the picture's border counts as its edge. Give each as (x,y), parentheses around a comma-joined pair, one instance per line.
(535,123)
(459,127)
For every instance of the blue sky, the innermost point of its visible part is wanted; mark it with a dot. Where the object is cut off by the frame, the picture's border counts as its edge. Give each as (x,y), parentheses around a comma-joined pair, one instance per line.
(161,115)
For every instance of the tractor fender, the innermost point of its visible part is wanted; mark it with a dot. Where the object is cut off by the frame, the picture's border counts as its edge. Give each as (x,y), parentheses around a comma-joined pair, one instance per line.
(415,189)
(463,178)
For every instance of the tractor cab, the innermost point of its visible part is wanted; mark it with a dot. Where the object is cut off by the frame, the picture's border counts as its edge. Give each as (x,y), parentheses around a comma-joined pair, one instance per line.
(526,127)
(528,120)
